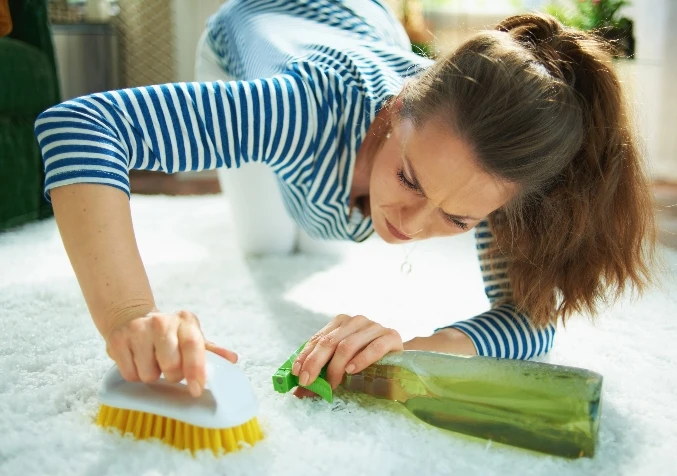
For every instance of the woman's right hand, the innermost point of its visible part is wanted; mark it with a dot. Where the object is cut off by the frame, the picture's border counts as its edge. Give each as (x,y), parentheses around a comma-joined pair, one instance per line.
(163,343)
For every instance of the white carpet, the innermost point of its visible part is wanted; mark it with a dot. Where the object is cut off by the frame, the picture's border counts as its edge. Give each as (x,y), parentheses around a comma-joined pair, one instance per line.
(52,358)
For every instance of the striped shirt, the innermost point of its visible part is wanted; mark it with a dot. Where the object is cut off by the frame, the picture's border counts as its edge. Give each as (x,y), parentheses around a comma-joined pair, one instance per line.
(307,94)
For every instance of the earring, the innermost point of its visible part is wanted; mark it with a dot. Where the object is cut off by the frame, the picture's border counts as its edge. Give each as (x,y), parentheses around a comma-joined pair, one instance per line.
(388,135)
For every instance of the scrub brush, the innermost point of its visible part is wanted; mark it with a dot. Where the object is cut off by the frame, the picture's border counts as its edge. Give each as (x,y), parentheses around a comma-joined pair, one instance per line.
(548,408)
(221,419)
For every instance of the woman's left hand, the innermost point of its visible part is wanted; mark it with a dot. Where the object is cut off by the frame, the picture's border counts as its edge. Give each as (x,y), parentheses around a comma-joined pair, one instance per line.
(349,344)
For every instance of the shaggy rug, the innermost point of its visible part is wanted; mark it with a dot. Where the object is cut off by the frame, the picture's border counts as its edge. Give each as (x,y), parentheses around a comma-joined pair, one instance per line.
(52,358)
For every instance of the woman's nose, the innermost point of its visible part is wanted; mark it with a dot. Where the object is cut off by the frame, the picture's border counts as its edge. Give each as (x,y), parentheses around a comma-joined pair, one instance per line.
(413,221)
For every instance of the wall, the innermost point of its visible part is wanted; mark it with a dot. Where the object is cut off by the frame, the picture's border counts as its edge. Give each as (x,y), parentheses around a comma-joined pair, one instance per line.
(666,166)
(651,78)
(189,20)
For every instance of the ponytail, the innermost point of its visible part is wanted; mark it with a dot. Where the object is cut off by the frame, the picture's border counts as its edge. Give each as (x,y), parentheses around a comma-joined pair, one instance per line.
(586,237)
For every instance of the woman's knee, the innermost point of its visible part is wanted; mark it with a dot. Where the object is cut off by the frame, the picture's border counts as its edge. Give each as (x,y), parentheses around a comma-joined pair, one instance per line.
(262,224)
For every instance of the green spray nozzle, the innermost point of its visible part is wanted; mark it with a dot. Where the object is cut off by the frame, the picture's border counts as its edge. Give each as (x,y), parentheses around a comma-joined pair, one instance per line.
(284,381)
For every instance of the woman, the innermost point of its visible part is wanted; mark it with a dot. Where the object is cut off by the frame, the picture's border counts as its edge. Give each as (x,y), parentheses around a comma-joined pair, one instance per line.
(521,133)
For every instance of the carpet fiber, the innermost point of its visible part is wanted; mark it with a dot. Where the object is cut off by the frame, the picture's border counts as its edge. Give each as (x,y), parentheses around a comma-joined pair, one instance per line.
(51,357)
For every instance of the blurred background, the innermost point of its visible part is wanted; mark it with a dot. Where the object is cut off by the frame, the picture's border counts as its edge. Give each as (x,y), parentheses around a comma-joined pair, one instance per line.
(54,50)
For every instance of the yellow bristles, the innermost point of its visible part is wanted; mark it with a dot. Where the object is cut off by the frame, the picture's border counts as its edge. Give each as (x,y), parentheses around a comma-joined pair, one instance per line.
(177,433)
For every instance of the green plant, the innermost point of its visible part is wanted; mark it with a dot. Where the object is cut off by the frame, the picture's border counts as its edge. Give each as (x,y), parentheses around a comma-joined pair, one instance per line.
(516,4)
(590,14)
(601,17)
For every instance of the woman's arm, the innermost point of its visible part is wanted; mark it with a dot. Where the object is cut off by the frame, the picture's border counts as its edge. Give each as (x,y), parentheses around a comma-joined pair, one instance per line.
(448,340)
(500,332)
(94,140)
(96,228)
(180,127)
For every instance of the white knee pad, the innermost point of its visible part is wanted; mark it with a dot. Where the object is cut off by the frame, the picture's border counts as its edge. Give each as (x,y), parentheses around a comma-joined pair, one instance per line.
(262,224)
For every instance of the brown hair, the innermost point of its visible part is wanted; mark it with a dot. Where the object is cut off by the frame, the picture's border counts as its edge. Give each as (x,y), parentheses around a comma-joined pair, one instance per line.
(541,106)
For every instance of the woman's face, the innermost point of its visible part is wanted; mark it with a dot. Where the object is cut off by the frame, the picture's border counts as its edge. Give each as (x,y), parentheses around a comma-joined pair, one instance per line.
(425,183)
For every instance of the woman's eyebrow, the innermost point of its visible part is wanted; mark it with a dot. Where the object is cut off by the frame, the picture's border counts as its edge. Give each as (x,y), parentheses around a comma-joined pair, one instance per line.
(414,180)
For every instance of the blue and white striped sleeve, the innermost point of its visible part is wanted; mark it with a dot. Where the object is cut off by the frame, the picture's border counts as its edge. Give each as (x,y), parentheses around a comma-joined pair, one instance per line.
(502,331)
(179,127)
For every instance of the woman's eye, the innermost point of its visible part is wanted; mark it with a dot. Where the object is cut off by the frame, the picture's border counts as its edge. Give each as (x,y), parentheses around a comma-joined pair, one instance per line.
(463,226)
(412,186)
(405,181)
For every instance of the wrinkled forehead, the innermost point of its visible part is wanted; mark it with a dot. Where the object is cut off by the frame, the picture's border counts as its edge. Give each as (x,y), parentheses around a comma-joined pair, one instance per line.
(448,171)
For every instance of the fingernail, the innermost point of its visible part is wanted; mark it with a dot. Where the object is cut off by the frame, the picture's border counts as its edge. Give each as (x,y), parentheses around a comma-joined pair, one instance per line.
(303,380)
(194,388)
(350,368)
(295,369)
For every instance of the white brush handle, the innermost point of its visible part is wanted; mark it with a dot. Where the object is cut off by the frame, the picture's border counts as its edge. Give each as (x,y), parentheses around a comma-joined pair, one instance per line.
(228,399)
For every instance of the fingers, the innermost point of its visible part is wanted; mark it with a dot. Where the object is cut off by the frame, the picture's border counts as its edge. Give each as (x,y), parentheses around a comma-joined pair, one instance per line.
(143,354)
(310,346)
(144,359)
(119,351)
(166,344)
(221,351)
(348,348)
(300,392)
(192,347)
(389,341)
(348,345)
(321,346)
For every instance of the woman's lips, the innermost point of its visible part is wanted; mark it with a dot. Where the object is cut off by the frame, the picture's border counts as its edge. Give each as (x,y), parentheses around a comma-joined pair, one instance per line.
(395,232)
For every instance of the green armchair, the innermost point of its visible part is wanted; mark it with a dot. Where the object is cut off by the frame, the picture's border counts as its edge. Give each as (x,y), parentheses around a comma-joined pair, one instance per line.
(28,86)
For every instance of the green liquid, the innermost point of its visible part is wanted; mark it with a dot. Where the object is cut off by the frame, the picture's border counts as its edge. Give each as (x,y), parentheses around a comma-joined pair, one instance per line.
(547,408)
